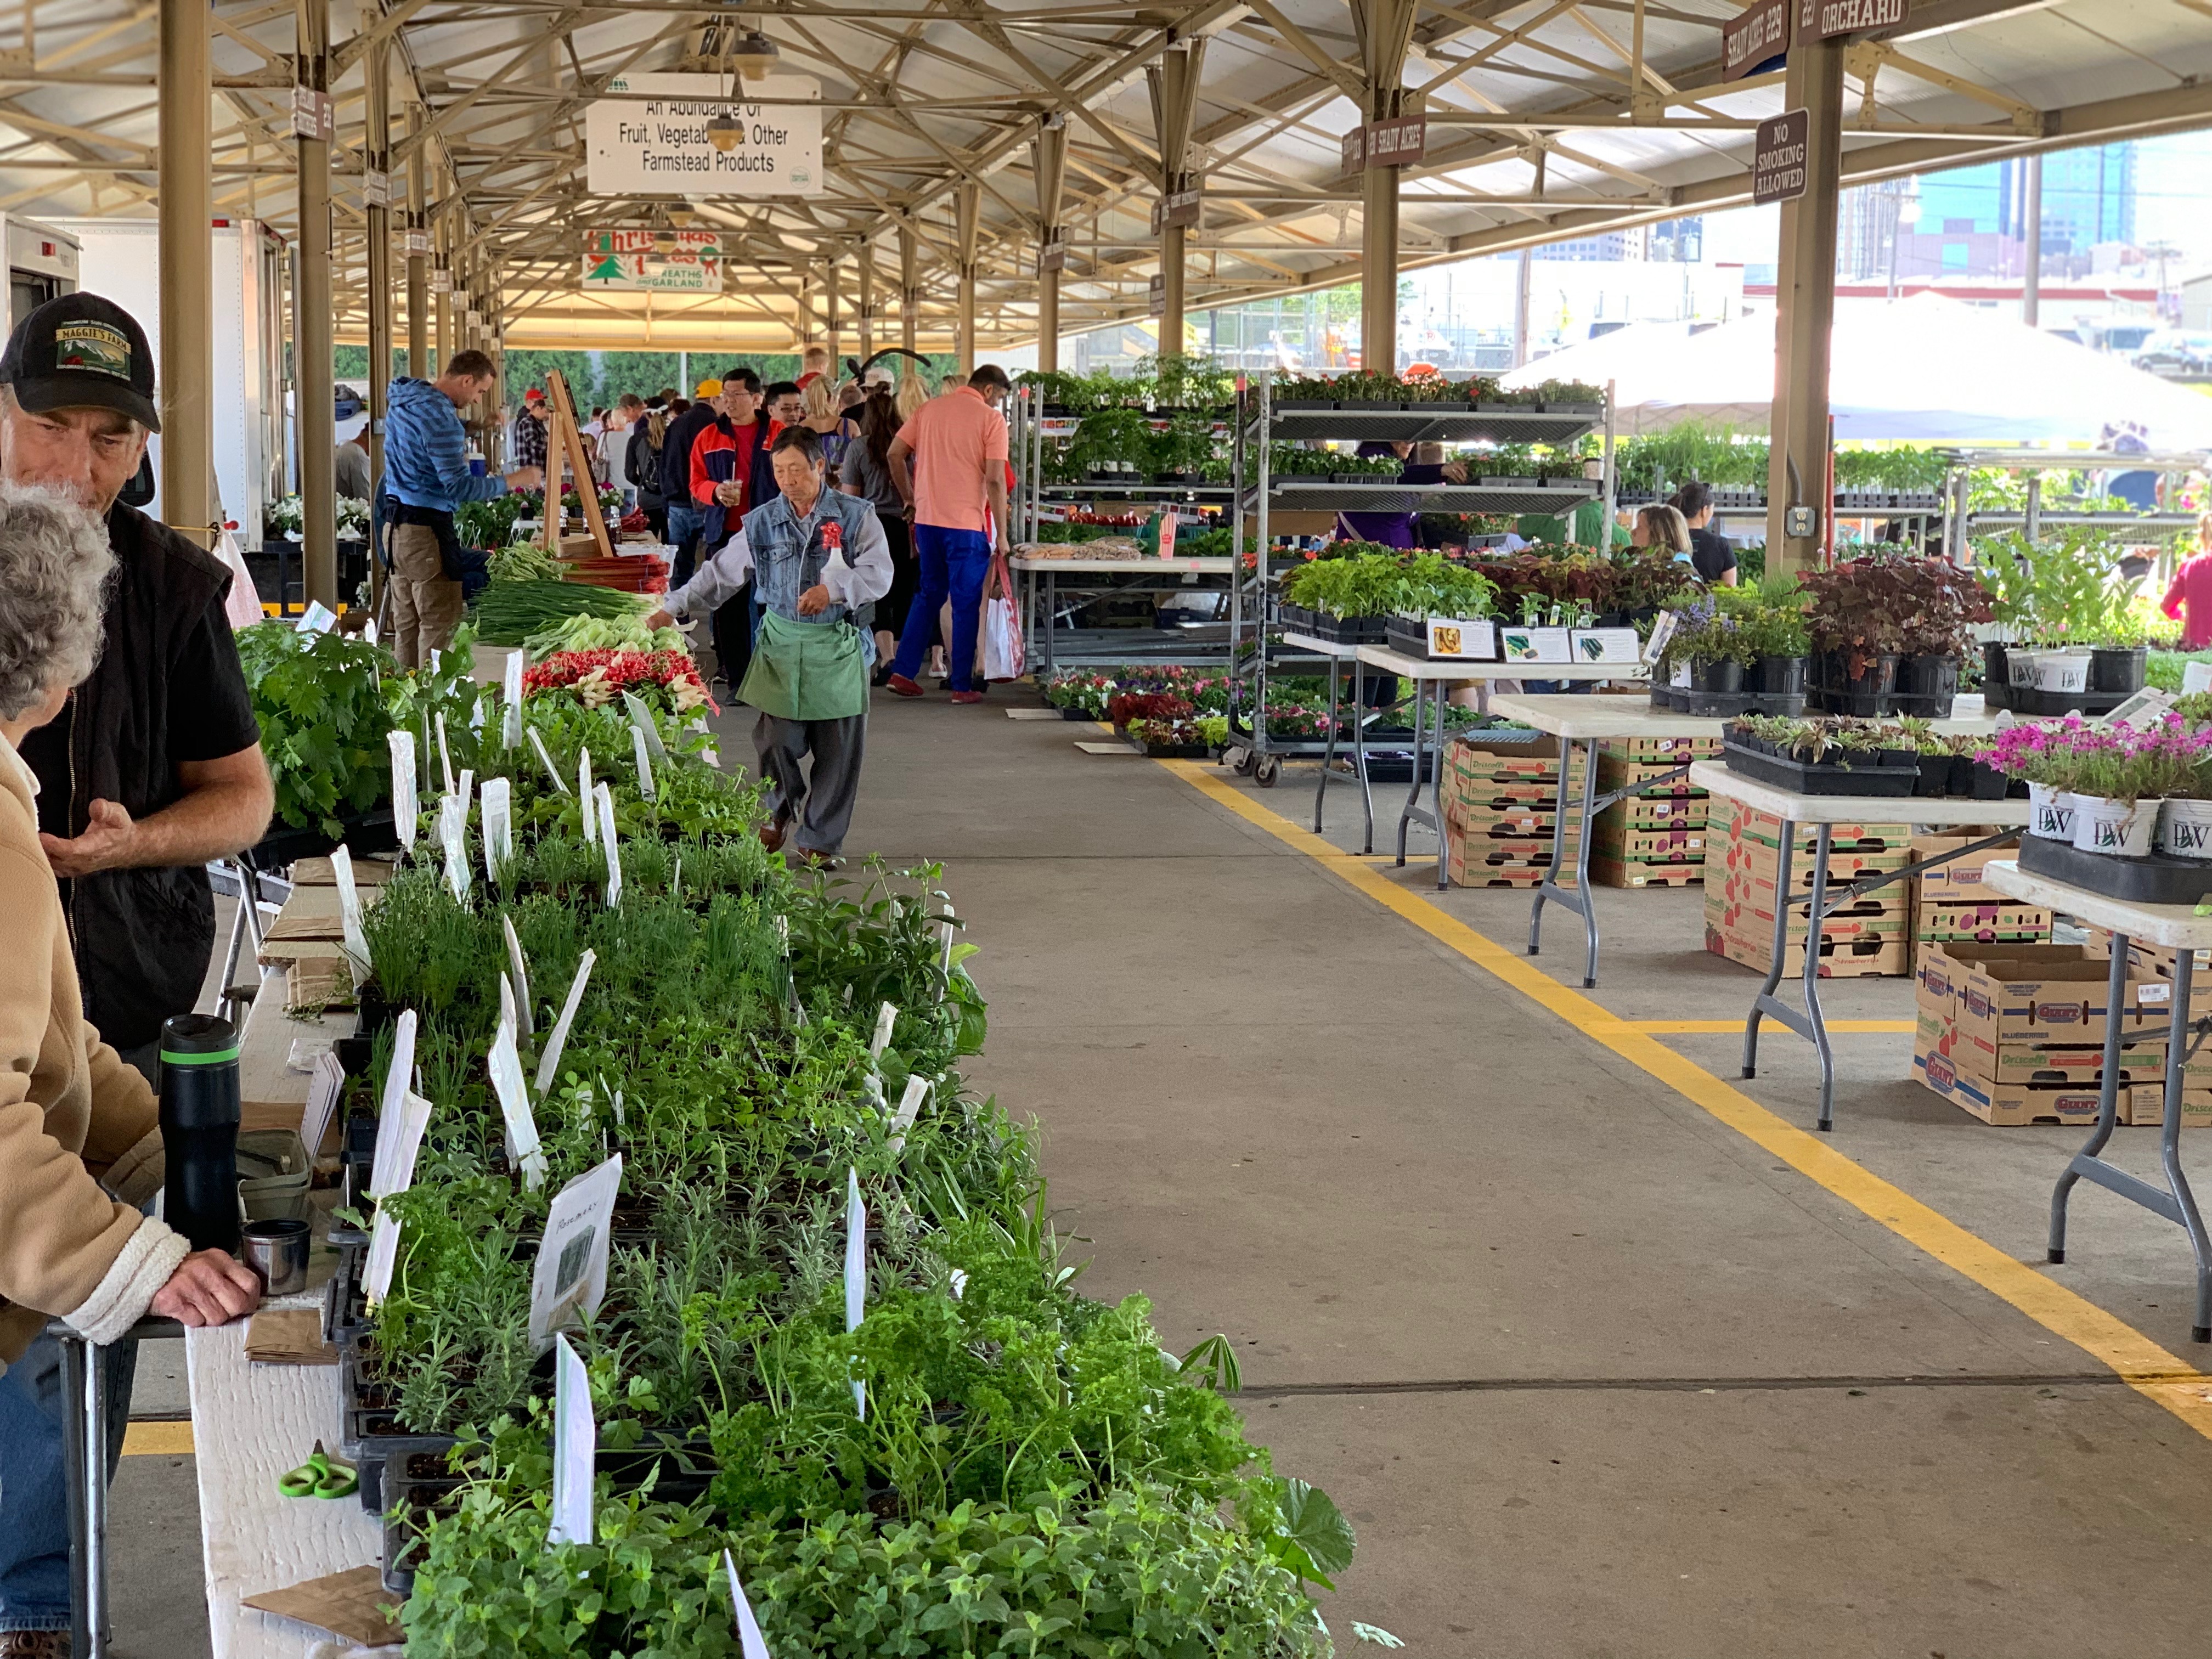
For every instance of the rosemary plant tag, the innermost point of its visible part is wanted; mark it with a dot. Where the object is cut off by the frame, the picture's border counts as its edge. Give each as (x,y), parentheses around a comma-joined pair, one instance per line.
(396,1174)
(641,719)
(383,1238)
(751,1645)
(519,975)
(510,712)
(909,1108)
(395,1091)
(498,826)
(322,1100)
(584,798)
(545,760)
(356,942)
(406,808)
(644,766)
(575,1441)
(570,1278)
(945,965)
(886,1018)
(856,1273)
(445,754)
(548,1063)
(453,833)
(506,1067)
(605,798)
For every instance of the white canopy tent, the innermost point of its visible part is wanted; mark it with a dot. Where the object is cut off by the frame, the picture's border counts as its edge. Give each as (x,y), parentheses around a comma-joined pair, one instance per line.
(1925,369)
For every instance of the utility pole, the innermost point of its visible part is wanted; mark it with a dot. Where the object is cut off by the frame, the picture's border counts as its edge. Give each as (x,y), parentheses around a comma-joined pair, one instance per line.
(187,252)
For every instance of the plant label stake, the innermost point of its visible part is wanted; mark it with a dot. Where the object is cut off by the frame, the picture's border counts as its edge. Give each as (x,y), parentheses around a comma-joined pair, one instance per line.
(384,1239)
(575,1440)
(505,1067)
(917,1090)
(395,1091)
(452,831)
(944,965)
(641,719)
(886,1018)
(356,942)
(510,713)
(546,760)
(856,1273)
(445,754)
(606,803)
(520,976)
(584,798)
(751,1645)
(320,619)
(570,1278)
(644,766)
(498,795)
(405,806)
(322,1100)
(548,1063)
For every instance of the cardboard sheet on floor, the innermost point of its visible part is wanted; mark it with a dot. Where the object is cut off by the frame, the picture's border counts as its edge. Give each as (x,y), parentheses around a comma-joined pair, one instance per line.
(349,1604)
(1109,748)
(1032,713)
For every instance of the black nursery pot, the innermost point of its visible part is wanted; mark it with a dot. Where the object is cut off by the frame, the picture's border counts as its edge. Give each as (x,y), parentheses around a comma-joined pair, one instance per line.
(1935,777)
(2118,668)
(1927,676)
(1996,674)
(1877,679)
(1780,677)
(1982,781)
(1722,674)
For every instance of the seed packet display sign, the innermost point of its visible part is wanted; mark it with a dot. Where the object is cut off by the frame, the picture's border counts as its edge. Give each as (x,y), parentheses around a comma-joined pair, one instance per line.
(1606,645)
(1462,639)
(570,1279)
(1535,644)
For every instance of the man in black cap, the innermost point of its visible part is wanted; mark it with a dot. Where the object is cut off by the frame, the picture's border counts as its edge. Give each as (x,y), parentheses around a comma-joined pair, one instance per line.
(155,765)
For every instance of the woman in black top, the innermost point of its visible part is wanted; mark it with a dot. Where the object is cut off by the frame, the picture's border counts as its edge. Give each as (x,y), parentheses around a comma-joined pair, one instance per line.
(1710,553)
(864,470)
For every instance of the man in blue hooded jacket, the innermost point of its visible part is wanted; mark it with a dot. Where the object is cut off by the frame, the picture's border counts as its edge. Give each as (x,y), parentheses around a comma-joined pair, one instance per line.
(426,477)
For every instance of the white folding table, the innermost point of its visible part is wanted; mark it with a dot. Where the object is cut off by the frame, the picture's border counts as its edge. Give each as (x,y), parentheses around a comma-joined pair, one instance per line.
(1043,579)
(2181,929)
(1821,811)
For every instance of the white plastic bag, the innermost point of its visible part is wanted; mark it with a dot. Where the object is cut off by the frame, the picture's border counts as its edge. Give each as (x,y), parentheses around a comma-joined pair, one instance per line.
(1004,652)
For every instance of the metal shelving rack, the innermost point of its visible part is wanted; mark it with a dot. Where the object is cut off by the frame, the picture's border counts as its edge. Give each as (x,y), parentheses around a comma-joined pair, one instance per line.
(1255,644)
(1959,522)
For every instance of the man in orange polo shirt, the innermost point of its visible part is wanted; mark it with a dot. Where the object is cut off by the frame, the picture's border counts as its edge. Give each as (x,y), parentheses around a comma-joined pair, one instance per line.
(949,463)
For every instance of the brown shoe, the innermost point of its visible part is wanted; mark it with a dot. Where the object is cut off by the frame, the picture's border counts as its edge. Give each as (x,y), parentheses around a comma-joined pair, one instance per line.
(34,1644)
(771,834)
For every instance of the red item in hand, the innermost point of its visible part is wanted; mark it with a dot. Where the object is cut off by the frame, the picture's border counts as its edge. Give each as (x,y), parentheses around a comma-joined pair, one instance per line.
(833,537)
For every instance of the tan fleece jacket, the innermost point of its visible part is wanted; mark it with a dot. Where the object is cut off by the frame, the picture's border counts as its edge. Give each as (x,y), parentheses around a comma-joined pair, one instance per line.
(74,1119)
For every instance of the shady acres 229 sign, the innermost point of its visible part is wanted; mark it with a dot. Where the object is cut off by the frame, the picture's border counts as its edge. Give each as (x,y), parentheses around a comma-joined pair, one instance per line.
(686,135)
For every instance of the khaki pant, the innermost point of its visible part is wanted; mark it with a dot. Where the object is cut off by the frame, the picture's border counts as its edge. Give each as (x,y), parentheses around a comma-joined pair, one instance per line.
(426,603)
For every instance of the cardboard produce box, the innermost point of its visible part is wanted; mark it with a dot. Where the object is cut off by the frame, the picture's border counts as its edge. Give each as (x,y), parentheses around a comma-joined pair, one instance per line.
(1960,878)
(1607,871)
(1654,812)
(2005,1105)
(2144,1104)
(2029,993)
(1673,750)
(1745,824)
(1675,845)
(1840,958)
(1988,921)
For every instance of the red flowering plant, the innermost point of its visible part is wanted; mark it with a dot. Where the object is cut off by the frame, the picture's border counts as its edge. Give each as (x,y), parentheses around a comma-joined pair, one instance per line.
(1128,706)
(666,682)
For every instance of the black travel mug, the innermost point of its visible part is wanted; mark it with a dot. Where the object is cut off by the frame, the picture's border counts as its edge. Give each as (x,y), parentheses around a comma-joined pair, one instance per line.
(199,1129)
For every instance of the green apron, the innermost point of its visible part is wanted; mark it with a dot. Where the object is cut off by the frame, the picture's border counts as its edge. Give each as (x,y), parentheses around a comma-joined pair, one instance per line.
(806,671)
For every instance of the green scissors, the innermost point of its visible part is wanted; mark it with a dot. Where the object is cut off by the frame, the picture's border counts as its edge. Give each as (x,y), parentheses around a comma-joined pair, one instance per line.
(318,1477)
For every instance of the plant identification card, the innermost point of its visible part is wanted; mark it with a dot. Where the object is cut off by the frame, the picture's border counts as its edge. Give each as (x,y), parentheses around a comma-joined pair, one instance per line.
(510,708)
(545,760)
(398,1175)
(570,1277)
(945,966)
(453,834)
(640,719)
(519,974)
(406,808)
(356,941)
(322,1100)
(320,619)
(548,1063)
(1662,630)
(506,1067)
(383,1256)
(644,765)
(909,1108)
(575,1443)
(856,1273)
(395,1091)
(2196,676)
(445,754)
(584,799)
(605,798)
(886,1018)
(751,1645)
(498,826)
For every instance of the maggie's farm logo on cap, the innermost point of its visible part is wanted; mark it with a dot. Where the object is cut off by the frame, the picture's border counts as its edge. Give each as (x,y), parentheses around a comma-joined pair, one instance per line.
(93,346)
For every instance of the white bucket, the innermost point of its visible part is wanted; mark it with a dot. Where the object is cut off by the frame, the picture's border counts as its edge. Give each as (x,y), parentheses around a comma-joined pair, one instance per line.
(2184,829)
(2019,669)
(2121,828)
(2050,813)
(2061,670)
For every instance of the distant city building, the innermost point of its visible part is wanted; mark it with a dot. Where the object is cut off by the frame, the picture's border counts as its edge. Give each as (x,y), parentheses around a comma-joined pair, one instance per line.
(1607,247)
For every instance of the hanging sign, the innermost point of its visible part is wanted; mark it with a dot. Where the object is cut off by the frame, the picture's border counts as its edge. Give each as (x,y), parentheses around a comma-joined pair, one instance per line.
(1180,207)
(1156,297)
(570,1278)
(1837,17)
(417,243)
(1052,255)
(314,114)
(375,187)
(442,280)
(576,1443)
(1778,162)
(653,261)
(1754,37)
(1399,142)
(686,135)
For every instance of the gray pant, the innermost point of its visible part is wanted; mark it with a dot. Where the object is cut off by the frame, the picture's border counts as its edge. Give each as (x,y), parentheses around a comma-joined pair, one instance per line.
(824,804)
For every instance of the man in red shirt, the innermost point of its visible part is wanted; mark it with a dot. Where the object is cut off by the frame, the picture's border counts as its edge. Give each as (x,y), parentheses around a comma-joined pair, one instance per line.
(949,463)
(730,476)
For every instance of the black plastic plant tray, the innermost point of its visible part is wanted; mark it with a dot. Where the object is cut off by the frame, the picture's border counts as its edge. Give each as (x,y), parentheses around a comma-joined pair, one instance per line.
(1802,780)
(1337,630)
(2149,880)
(2024,700)
(1411,639)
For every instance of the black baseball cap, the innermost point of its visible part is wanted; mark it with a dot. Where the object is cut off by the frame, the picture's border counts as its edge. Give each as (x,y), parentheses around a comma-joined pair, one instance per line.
(80,351)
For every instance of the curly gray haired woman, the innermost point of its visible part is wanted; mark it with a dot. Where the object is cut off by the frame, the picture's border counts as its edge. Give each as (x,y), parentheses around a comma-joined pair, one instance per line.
(54,564)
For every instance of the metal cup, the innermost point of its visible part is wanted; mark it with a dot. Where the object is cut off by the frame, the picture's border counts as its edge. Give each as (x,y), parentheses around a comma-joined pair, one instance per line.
(276,1252)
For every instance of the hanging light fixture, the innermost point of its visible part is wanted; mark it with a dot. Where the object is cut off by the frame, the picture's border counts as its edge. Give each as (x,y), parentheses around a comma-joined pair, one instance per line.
(681,216)
(664,241)
(755,55)
(724,132)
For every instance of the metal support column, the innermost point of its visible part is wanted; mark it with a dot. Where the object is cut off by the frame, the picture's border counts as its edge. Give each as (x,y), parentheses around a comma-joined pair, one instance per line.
(865,297)
(2031,276)
(910,286)
(1385,30)
(967,208)
(418,257)
(376,192)
(311,327)
(1798,469)
(441,284)
(1049,165)
(187,257)
(1173,83)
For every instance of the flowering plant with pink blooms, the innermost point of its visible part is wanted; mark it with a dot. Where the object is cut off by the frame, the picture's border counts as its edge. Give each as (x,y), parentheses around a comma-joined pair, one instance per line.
(2166,758)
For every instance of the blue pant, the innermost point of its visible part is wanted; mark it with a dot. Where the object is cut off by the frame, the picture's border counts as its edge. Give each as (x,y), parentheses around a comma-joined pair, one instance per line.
(684,524)
(34,1564)
(951,562)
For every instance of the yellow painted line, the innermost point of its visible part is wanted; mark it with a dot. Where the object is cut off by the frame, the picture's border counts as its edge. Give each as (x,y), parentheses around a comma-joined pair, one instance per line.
(158,1439)
(1845,1027)
(2146,1367)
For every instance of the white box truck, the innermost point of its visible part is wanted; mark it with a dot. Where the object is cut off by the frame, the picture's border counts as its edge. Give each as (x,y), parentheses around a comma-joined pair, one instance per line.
(42,264)
(120,259)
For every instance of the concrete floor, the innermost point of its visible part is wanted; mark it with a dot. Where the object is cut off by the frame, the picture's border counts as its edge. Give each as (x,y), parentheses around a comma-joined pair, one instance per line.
(1593,1375)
